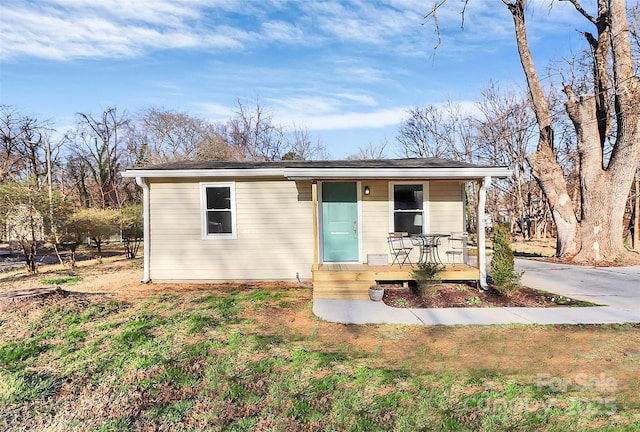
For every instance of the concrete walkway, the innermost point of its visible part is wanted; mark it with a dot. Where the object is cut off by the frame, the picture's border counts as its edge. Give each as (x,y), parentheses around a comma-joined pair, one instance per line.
(618,288)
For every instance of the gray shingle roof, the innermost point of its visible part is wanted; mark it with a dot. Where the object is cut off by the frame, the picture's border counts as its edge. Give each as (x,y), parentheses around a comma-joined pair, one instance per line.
(355,164)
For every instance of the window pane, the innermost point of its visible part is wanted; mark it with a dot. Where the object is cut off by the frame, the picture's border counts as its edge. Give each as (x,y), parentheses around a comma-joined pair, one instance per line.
(219,222)
(407,197)
(218,198)
(409,222)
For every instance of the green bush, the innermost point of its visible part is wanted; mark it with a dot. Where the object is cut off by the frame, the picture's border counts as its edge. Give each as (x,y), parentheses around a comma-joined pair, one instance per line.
(427,271)
(427,277)
(505,278)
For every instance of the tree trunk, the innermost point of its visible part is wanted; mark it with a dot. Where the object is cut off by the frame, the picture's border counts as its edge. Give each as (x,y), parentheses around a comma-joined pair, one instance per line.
(635,235)
(596,234)
(544,166)
(29,249)
(550,177)
(601,229)
(605,187)
(603,191)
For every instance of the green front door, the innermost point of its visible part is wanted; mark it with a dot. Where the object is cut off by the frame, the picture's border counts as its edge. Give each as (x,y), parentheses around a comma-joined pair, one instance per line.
(340,221)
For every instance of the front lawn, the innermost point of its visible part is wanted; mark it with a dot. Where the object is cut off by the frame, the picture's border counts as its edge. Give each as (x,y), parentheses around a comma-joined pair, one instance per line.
(238,357)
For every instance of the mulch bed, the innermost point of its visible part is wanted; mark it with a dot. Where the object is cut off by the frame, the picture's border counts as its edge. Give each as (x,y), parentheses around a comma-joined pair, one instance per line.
(466,295)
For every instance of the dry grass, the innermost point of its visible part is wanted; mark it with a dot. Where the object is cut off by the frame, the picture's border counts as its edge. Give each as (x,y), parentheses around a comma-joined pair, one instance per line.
(119,355)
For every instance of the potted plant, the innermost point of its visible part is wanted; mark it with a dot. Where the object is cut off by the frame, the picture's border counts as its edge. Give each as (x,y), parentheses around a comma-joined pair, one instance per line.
(376,292)
(427,277)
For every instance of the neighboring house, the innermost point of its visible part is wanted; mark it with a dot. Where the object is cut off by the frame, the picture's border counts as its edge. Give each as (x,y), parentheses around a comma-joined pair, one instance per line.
(23,223)
(232,221)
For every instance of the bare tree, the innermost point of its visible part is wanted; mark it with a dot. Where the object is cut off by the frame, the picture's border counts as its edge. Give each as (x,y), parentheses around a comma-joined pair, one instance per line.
(595,233)
(26,160)
(607,116)
(300,146)
(506,131)
(22,146)
(442,132)
(10,133)
(370,151)
(97,146)
(425,133)
(253,135)
(31,215)
(171,136)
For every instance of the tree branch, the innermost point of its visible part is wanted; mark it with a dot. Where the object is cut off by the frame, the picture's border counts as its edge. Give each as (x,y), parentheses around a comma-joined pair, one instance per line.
(580,9)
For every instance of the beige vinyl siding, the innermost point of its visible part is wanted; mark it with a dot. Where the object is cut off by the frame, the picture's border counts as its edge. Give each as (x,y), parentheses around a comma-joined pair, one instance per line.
(446,211)
(445,214)
(274,232)
(375,218)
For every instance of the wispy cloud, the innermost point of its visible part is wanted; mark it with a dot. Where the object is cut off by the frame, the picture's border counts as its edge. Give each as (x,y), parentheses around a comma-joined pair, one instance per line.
(348,120)
(68,29)
(215,112)
(352,70)
(317,113)
(319,105)
(360,99)
(371,23)
(63,30)
(280,31)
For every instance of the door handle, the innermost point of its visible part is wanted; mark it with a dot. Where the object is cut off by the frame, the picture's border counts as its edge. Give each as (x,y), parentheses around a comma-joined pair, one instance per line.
(355,229)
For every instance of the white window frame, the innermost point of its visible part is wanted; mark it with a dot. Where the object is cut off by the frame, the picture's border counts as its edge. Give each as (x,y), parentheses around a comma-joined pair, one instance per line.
(203,211)
(425,203)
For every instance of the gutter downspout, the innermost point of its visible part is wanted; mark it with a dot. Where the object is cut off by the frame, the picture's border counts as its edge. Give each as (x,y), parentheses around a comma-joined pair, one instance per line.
(482,253)
(142,182)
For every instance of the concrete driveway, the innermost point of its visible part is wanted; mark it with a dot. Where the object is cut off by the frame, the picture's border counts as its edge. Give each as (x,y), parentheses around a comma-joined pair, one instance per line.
(618,287)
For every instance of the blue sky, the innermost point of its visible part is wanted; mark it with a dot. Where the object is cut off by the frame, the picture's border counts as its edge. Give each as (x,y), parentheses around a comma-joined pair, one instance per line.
(347,71)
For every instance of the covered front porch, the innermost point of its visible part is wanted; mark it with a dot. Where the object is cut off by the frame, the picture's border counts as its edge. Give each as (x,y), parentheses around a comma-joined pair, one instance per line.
(374,221)
(351,281)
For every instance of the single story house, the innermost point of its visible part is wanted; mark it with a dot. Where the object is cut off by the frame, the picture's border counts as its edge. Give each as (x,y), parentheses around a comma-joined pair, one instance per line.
(325,221)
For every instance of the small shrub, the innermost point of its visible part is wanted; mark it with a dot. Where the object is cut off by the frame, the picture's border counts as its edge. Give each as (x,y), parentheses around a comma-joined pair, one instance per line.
(505,278)
(427,289)
(427,277)
(427,271)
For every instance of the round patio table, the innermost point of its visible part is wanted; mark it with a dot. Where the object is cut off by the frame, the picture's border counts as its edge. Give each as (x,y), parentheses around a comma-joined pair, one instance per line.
(429,246)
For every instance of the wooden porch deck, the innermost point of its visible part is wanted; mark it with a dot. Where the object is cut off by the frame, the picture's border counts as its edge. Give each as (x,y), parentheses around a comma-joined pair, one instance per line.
(352,281)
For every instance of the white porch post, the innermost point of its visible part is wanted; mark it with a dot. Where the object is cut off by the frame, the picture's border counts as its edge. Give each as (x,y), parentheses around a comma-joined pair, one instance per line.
(146,241)
(482,253)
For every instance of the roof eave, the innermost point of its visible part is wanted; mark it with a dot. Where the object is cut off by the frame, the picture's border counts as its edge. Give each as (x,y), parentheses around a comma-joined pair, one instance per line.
(329,173)
(396,173)
(219,173)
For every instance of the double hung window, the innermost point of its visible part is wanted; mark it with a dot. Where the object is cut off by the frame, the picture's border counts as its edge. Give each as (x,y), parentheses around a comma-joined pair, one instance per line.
(408,204)
(218,207)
